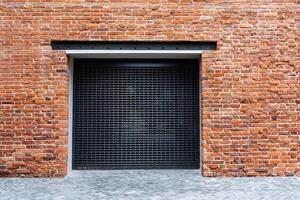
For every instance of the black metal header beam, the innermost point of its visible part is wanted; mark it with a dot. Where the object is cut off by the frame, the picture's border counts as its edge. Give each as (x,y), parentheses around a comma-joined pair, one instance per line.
(132,45)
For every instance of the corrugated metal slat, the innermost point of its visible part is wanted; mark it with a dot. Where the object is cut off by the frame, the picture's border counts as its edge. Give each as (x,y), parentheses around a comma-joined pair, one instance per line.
(136,114)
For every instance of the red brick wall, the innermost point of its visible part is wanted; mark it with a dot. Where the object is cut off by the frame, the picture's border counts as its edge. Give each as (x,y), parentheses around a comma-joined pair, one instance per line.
(250,85)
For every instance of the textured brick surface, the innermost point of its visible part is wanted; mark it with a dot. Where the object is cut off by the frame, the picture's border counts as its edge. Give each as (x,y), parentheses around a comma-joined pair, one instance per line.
(250,85)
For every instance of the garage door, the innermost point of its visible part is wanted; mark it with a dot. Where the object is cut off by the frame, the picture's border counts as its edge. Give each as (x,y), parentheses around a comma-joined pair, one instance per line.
(136,114)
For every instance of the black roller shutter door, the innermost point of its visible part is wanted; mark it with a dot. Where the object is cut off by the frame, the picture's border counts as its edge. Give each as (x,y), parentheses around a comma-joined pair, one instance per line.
(136,114)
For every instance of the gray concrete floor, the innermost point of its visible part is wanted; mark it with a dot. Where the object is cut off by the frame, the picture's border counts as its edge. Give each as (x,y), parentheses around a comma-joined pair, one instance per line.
(152,184)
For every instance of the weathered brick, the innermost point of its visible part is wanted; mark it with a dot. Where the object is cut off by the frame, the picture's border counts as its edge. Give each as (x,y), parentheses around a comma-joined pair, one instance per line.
(250,85)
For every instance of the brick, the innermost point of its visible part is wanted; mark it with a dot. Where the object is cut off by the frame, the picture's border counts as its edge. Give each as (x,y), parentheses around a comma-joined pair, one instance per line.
(250,85)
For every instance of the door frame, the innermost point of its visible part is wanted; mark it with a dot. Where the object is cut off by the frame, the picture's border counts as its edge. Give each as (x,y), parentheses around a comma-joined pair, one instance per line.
(71,54)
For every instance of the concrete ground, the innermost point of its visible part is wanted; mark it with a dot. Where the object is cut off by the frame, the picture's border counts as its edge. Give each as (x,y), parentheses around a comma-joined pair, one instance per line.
(152,184)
